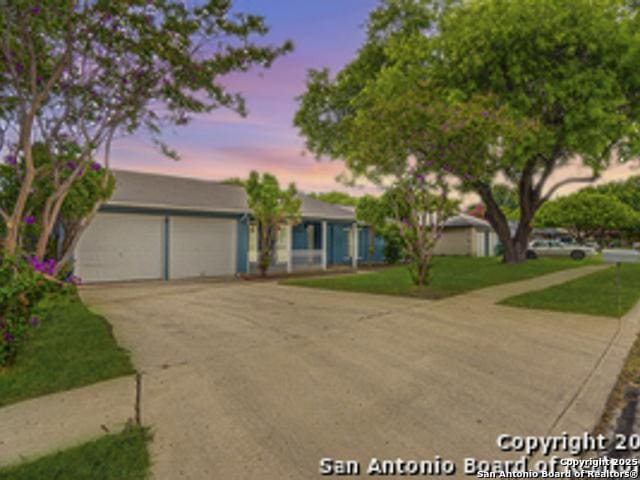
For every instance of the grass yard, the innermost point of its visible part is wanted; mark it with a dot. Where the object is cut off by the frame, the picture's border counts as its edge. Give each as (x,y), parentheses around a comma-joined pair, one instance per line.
(593,294)
(72,347)
(122,456)
(449,276)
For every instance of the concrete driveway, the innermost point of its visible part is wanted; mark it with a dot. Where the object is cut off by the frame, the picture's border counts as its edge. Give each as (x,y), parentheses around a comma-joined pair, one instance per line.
(246,380)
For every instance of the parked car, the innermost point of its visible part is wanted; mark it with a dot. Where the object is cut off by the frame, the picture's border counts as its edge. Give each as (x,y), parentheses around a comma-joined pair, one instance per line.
(555,248)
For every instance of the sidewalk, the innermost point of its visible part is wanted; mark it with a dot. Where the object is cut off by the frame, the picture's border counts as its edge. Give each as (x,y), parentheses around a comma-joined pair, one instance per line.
(53,422)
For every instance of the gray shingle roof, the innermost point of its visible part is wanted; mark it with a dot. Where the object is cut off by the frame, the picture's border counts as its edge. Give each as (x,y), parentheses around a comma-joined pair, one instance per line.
(464,220)
(149,190)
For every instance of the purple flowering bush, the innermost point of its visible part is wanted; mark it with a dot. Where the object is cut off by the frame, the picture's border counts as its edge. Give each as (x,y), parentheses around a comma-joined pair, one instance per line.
(23,285)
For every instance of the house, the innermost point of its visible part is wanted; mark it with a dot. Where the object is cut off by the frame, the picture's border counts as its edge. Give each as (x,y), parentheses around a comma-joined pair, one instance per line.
(158,227)
(467,235)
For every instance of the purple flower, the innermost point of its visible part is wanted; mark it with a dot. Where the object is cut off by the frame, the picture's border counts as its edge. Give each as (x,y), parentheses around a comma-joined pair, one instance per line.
(71,165)
(73,280)
(34,321)
(485,114)
(48,266)
(10,160)
(29,220)
(7,337)
(35,10)
(96,166)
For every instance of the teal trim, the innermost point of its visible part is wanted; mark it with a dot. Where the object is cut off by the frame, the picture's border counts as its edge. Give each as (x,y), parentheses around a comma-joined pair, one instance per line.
(167,239)
(167,212)
(242,243)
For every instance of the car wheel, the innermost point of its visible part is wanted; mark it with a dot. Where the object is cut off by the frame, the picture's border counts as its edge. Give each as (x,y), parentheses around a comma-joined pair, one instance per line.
(577,255)
(531,255)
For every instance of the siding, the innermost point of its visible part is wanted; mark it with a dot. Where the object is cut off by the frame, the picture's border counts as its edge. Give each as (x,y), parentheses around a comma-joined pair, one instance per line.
(456,241)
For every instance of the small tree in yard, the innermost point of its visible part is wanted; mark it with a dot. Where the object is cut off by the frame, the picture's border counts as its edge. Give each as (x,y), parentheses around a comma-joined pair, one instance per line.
(272,208)
(76,74)
(587,213)
(372,211)
(420,205)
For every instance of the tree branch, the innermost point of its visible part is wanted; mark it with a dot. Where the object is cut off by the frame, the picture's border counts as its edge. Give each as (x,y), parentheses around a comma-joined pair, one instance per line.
(567,181)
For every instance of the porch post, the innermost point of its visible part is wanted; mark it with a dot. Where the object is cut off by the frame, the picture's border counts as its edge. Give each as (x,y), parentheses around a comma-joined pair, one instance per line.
(324,244)
(354,233)
(289,248)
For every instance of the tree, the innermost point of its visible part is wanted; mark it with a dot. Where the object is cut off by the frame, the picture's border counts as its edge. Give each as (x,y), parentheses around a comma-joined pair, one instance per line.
(586,214)
(374,212)
(627,191)
(238,182)
(458,85)
(93,186)
(76,74)
(272,209)
(420,207)
(336,198)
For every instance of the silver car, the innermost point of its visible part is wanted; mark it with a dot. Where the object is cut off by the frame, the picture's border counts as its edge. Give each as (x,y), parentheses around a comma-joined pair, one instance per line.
(555,248)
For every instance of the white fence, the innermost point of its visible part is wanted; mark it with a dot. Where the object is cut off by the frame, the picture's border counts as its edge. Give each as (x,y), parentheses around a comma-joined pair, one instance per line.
(306,259)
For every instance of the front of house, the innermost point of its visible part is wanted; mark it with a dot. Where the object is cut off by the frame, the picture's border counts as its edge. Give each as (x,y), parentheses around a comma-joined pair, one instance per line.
(158,227)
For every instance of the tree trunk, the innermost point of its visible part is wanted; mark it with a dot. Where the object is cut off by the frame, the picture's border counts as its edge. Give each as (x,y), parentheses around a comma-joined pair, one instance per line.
(516,246)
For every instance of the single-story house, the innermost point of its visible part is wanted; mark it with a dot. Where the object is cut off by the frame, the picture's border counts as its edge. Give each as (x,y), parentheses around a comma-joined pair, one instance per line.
(165,227)
(467,235)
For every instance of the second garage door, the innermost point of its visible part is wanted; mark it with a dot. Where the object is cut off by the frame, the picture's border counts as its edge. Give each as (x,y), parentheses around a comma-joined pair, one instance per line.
(200,247)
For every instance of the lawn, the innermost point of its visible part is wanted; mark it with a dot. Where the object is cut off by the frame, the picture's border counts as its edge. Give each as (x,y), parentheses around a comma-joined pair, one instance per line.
(120,456)
(449,276)
(593,294)
(71,348)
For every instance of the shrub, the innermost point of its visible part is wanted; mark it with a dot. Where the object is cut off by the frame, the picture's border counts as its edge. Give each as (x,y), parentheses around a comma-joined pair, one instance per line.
(392,249)
(23,284)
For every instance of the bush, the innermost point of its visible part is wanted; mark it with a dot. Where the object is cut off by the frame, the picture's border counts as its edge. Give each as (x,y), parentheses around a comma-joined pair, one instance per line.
(23,285)
(392,249)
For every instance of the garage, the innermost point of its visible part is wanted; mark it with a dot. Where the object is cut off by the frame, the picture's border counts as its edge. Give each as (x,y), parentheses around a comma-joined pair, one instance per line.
(118,246)
(201,247)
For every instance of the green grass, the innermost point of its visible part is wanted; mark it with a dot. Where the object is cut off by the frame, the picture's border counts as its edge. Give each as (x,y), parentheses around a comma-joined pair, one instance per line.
(593,294)
(71,348)
(449,276)
(120,456)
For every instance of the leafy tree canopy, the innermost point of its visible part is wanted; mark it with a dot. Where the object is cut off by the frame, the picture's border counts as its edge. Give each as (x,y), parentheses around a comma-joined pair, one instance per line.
(484,90)
(336,198)
(83,72)
(587,213)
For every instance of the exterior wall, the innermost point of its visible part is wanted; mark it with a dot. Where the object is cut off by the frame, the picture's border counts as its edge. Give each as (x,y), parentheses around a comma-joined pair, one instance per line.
(363,246)
(456,241)
(242,248)
(338,243)
(158,265)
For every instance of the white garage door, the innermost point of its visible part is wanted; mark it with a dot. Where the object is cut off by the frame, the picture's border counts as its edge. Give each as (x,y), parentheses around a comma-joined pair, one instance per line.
(200,247)
(119,246)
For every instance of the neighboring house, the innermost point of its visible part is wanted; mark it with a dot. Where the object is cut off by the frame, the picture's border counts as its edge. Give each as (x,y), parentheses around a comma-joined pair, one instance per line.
(467,235)
(162,227)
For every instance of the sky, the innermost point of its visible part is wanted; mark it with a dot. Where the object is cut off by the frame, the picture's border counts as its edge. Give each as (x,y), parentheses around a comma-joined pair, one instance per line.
(219,145)
(326,33)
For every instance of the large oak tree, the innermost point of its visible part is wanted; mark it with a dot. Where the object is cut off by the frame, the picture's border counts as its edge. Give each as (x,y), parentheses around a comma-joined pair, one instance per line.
(490,91)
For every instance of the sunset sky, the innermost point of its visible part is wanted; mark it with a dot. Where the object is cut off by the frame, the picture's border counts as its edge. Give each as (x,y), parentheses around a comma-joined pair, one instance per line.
(222,144)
